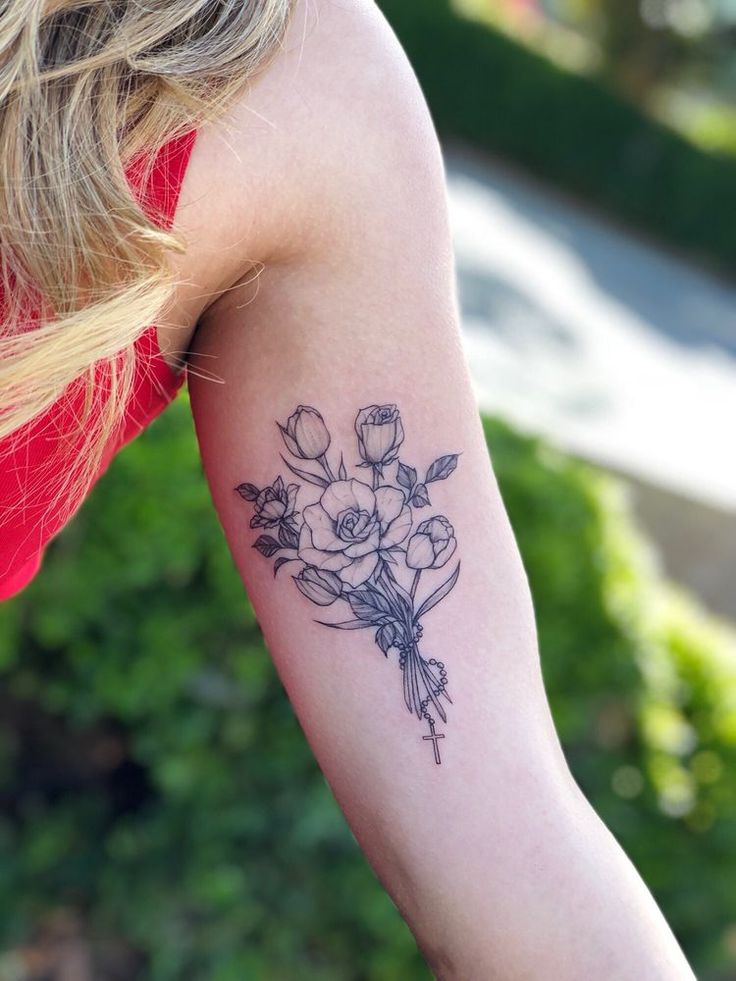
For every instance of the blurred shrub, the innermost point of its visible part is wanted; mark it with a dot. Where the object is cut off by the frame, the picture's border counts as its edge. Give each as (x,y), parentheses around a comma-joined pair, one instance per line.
(487,89)
(154,779)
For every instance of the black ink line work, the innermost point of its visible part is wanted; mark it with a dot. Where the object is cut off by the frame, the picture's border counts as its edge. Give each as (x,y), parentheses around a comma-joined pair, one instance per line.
(358,546)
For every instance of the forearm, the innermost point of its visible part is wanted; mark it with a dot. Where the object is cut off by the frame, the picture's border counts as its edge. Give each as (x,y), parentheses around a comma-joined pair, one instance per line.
(530,885)
(500,866)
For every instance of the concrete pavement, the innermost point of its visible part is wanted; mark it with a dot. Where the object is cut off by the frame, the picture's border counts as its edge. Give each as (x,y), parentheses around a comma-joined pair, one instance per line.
(617,350)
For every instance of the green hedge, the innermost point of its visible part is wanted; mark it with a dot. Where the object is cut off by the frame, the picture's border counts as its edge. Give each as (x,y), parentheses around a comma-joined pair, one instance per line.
(153,776)
(486,89)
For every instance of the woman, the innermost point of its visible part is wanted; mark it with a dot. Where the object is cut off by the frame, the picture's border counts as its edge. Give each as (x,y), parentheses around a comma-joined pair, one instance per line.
(262,182)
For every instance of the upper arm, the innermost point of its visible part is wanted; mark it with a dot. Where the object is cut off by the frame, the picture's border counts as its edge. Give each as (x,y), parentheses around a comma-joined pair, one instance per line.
(355,301)
(355,307)
(332,150)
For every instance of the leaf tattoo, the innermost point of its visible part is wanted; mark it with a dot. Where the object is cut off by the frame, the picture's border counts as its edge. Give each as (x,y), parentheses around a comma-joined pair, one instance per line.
(358,547)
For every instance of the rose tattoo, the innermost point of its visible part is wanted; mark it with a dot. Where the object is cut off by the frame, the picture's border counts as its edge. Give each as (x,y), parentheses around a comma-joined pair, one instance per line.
(357,541)
(351,526)
(380,434)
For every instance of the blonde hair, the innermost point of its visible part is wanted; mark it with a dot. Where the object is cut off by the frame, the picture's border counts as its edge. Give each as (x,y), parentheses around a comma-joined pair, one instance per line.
(86,86)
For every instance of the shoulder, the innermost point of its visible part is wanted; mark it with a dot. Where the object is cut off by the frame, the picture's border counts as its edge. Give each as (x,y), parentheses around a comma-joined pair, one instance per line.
(335,110)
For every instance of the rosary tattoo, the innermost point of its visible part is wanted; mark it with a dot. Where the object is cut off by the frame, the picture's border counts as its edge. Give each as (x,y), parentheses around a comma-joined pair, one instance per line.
(353,546)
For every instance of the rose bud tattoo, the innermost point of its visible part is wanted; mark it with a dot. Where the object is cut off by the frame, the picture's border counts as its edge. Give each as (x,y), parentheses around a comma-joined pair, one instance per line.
(319,585)
(305,433)
(355,545)
(380,434)
(431,545)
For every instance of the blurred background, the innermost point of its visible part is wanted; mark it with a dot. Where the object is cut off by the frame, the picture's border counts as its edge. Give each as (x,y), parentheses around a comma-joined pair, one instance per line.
(160,814)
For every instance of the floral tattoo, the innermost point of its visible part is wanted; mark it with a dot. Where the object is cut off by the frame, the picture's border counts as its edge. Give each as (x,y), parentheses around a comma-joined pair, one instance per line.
(358,547)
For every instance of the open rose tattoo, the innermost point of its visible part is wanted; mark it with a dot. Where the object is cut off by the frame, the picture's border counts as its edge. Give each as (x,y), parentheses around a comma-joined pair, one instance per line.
(360,547)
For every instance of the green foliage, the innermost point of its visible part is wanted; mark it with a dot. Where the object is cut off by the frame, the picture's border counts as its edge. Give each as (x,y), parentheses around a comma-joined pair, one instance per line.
(642,686)
(487,89)
(154,778)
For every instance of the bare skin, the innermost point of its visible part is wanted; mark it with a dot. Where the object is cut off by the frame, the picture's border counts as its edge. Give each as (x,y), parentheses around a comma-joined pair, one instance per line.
(328,179)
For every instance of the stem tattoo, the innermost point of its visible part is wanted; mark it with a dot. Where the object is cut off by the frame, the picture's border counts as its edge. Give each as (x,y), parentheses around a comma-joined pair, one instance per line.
(353,546)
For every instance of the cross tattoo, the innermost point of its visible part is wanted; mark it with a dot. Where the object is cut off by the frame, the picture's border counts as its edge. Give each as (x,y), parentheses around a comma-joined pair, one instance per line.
(434,736)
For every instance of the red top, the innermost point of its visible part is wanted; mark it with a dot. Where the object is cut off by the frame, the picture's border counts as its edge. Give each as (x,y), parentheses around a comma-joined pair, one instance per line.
(27,521)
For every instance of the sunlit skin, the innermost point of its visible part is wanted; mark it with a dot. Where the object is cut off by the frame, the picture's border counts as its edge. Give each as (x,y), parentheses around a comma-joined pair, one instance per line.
(336,200)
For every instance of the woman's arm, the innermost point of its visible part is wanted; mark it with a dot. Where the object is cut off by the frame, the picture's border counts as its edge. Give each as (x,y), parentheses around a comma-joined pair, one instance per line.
(465,808)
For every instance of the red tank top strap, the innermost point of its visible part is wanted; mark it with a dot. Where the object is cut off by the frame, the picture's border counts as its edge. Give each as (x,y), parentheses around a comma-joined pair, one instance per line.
(158,194)
(26,527)
(156,382)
